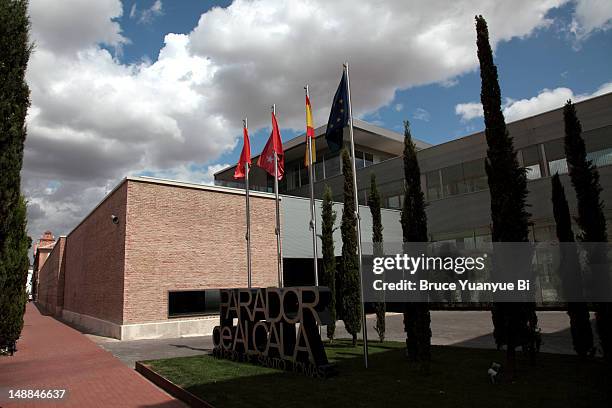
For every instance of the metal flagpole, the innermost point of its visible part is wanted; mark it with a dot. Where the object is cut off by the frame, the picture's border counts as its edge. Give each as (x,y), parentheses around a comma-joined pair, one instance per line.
(313,210)
(248,214)
(278,226)
(364,329)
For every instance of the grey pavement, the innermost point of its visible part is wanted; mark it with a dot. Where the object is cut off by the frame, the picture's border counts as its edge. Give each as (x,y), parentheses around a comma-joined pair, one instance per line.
(459,328)
(474,329)
(137,350)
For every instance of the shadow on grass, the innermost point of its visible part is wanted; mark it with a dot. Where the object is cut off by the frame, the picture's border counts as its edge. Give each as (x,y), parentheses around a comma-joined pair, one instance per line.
(457,378)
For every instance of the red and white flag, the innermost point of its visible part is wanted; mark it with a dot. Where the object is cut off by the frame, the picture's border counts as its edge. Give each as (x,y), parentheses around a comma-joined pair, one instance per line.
(274,145)
(245,157)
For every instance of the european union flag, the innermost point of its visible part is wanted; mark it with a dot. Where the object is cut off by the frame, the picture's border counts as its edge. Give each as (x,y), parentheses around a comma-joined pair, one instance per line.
(338,117)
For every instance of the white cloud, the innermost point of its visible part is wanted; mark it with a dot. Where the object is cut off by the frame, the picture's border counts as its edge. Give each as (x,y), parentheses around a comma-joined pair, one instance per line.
(590,16)
(70,25)
(267,50)
(449,83)
(421,114)
(191,173)
(398,107)
(469,110)
(545,100)
(94,119)
(147,15)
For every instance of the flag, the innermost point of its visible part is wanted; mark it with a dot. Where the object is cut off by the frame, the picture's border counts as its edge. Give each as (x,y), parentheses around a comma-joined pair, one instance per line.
(309,134)
(275,144)
(245,156)
(338,117)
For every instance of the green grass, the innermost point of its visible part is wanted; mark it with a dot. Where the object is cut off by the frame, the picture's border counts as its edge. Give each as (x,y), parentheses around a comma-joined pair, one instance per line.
(457,378)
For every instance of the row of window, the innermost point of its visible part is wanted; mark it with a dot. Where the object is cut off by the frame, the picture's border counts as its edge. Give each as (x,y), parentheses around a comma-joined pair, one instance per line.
(539,160)
(327,165)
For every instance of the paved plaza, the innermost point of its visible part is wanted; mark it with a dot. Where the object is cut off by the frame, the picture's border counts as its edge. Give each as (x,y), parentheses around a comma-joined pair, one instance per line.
(458,328)
(52,355)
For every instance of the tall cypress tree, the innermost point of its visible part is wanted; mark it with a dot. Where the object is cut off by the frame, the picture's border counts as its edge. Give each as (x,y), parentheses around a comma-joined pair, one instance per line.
(580,323)
(351,301)
(328,216)
(417,319)
(377,243)
(508,190)
(591,220)
(14,102)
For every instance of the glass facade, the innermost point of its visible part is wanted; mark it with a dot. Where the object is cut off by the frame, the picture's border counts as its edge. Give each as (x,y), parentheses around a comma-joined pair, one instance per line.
(327,165)
(452,180)
(532,161)
(539,160)
(475,176)
(434,186)
(458,179)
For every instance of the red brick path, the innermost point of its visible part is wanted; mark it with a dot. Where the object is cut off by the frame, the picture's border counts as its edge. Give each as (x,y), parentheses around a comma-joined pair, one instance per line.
(52,355)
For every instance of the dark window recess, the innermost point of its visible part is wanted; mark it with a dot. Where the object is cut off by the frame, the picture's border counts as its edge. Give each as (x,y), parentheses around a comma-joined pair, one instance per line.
(193,303)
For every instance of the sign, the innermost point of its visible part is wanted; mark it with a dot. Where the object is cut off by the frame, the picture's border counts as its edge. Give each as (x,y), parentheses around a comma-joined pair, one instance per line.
(274,327)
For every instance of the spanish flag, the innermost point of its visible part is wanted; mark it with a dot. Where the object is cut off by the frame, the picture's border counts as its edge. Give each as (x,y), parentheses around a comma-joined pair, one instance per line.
(310,134)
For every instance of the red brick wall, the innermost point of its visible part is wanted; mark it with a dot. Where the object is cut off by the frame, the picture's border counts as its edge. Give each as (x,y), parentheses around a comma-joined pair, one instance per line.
(50,290)
(185,238)
(95,253)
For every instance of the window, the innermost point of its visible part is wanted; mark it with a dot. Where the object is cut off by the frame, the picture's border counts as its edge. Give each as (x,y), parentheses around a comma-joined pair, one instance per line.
(533,172)
(359,162)
(320,169)
(598,139)
(332,166)
(193,302)
(531,161)
(304,176)
(369,159)
(601,158)
(293,177)
(475,175)
(394,201)
(452,180)
(555,154)
(434,189)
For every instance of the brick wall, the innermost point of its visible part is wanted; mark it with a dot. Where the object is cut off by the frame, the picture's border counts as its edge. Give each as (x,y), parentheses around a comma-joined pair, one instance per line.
(95,253)
(187,238)
(50,289)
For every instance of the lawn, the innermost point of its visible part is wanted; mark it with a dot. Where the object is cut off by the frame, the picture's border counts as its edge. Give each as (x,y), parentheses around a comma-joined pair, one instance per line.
(457,378)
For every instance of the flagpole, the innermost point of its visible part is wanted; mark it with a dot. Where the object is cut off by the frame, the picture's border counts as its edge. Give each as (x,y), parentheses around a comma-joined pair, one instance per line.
(364,329)
(313,210)
(248,214)
(278,226)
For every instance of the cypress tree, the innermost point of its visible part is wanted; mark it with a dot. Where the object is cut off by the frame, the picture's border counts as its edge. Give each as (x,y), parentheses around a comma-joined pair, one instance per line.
(351,301)
(585,180)
(14,102)
(377,243)
(328,216)
(508,190)
(578,312)
(417,319)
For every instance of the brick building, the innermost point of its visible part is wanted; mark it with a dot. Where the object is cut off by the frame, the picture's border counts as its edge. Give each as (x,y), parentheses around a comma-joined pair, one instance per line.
(141,264)
(146,261)
(42,249)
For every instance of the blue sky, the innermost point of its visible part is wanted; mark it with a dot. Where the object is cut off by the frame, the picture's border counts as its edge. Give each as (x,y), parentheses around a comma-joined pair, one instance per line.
(160,87)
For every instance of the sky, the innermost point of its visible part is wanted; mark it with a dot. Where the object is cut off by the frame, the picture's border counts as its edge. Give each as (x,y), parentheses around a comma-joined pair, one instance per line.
(160,87)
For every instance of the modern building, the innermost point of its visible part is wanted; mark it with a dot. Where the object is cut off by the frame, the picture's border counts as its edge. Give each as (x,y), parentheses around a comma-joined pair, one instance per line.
(148,260)
(453,173)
